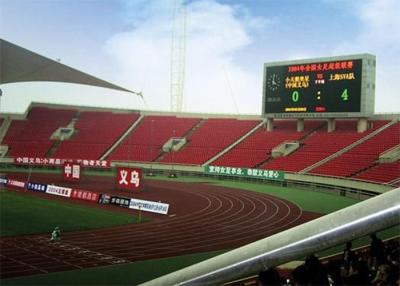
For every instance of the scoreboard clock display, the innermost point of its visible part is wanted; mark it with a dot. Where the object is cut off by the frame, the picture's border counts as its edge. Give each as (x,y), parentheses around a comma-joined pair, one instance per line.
(317,87)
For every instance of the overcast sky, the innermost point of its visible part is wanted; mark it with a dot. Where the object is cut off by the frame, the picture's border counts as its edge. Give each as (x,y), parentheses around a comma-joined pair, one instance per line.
(129,43)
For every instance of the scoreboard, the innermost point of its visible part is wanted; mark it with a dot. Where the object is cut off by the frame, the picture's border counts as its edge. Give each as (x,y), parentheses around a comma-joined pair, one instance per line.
(337,86)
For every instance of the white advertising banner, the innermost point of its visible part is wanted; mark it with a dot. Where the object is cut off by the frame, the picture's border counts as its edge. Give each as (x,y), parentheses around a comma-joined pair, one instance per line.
(149,206)
(58,191)
(3,180)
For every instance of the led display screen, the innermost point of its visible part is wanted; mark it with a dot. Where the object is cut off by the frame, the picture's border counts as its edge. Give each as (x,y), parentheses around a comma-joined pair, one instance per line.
(318,87)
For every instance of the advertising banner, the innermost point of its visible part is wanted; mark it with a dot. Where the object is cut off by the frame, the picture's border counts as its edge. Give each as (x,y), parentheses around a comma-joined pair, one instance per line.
(121,201)
(72,171)
(85,195)
(15,183)
(38,187)
(149,206)
(94,163)
(104,199)
(58,191)
(245,172)
(129,178)
(3,180)
(60,162)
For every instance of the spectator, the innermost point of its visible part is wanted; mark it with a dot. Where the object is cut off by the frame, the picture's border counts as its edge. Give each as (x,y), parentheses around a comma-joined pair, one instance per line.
(317,274)
(377,252)
(300,275)
(334,271)
(393,260)
(358,274)
(269,276)
(382,275)
(348,257)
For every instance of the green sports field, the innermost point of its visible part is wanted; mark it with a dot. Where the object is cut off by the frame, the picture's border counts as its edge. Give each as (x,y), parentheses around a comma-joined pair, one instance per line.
(14,208)
(21,215)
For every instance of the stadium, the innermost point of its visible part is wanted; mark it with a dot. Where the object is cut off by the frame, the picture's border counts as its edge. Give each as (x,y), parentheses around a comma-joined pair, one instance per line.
(186,198)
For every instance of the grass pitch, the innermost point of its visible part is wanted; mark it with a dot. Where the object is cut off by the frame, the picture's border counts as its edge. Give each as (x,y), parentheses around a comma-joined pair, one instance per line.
(20,215)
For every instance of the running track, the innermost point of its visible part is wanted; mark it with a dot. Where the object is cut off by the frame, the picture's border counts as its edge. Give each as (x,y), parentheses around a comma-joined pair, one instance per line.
(205,218)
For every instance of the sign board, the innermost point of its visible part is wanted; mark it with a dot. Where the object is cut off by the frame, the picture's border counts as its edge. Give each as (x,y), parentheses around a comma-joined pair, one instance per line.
(15,183)
(58,191)
(85,195)
(120,201)
(60,162)
(104,199)
(149,206)
(38,187)
(337,86)
(129,178)
(3,181)
(72,171)
(245,172)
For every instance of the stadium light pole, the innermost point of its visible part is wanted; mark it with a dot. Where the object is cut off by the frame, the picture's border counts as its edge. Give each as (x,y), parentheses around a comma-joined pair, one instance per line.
(129,150)
(151,147)
(173,175)
(29,176)
(1,93)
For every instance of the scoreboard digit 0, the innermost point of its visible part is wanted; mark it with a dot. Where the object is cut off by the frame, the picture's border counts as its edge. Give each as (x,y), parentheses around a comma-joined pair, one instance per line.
(324,86)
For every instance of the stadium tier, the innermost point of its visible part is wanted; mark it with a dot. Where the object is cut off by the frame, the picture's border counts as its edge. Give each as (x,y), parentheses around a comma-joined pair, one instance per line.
(98,133)
(95,134)
(320,145)
(383,173)
(31,137)
(256,148)
(362,156)
(146,141)
(209,139)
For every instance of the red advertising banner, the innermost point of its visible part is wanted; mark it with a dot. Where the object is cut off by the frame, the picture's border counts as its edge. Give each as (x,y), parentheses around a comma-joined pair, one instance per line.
(60,162)
(129,178)
(15,183)
(85,195)
(72,171)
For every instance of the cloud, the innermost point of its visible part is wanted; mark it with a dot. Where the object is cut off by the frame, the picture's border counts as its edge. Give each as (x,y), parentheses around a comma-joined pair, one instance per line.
(378,35)
(216,33)
(381,34)
(382,22)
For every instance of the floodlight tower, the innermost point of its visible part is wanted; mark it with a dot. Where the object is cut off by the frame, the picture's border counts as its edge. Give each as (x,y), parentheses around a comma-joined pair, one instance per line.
(178,51)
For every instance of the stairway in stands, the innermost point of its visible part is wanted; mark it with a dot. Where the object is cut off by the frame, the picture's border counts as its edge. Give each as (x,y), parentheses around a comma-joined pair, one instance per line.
(363,154)
(300,140)
(123,137)
(4,127)
(57,142)
(186,135)
(347,148)
(234,144)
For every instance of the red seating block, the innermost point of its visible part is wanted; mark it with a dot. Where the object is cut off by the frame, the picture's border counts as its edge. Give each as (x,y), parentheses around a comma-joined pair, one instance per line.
(382,173)
(257,147)
(31,137)
(320,145)
(210,139)
(363,155)
(146,141)
(96,132)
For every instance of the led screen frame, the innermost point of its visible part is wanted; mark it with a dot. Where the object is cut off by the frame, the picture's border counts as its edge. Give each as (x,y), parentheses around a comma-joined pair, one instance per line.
(322,87)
